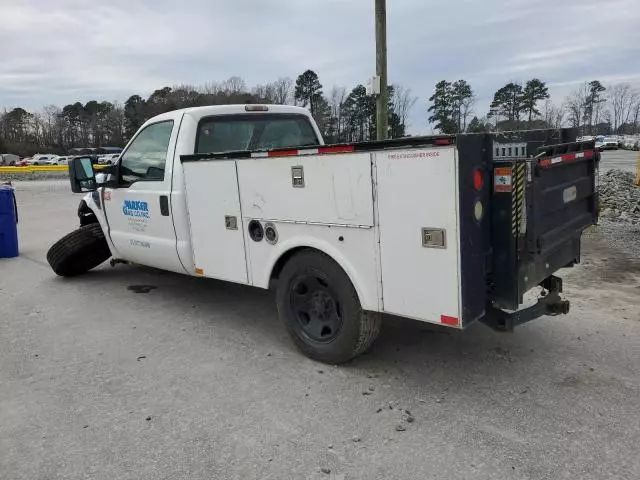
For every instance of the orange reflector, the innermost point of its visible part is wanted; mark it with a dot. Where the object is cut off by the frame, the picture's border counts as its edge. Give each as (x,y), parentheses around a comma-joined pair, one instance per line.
(199,271)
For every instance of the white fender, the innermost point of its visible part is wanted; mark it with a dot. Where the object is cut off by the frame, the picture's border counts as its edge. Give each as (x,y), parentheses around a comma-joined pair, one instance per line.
(359,263)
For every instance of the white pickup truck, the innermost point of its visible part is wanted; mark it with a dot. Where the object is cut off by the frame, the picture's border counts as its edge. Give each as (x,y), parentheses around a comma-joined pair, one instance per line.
(430,228)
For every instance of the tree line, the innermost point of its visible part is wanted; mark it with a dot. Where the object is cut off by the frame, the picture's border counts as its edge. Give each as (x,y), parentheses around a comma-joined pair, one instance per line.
(342,115)
(592,108)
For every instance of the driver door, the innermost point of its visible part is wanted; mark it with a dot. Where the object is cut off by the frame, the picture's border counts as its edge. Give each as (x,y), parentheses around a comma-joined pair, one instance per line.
(138,203)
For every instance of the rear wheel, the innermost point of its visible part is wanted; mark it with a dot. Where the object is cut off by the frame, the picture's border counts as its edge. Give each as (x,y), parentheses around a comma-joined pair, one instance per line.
(321,311)
(79,251)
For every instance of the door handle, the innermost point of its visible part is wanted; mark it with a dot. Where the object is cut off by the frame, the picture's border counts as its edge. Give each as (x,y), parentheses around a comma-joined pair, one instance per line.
(164,205)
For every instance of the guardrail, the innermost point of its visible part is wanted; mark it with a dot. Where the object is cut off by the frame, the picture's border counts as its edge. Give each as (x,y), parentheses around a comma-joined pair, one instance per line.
(41,168)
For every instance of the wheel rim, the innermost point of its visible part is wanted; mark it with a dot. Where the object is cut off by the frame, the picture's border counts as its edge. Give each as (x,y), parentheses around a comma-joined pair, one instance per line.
(316,307)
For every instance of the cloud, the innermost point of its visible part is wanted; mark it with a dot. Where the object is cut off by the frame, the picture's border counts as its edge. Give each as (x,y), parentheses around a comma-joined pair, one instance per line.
(69,50)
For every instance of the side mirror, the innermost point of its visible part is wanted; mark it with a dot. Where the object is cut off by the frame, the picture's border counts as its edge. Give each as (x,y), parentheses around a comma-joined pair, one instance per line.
(81,174)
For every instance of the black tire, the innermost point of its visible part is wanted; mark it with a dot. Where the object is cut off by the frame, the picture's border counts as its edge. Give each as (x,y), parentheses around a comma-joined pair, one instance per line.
(79,251)
(357,328)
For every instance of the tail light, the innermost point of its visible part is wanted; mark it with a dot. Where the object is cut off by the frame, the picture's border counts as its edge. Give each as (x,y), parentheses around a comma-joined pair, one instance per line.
(478,180)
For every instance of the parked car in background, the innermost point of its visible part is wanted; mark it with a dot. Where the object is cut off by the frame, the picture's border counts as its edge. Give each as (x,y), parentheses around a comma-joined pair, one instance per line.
(599,142)
(59,160)
(610,143)
(41,159)
(8,159)
(109,159)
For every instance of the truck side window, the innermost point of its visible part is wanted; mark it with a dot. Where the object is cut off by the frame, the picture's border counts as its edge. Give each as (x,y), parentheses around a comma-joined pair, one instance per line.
(146,157)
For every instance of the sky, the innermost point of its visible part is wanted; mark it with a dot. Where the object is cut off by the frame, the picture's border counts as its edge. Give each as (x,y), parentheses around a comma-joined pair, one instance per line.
(63,51)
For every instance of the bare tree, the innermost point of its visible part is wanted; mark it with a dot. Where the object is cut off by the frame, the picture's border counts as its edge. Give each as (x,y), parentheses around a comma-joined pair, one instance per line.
(233,85)
(50,115)
(575,104)
(466,110)
(265,92)
(403,101)
(636,116)
(210,88)
(552,114)
(336,102)
(115,125)
(623,99)
(36,128)
(598,111)
(283,91)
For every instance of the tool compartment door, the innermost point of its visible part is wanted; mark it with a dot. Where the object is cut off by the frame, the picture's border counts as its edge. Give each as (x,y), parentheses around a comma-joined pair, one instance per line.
(416,190)
(213,203)
(333,189)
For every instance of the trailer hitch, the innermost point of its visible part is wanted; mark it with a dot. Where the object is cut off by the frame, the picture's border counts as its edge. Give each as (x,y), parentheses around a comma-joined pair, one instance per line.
(550,303)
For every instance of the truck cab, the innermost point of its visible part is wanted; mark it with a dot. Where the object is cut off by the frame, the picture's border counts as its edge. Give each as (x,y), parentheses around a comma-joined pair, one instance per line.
(144,205)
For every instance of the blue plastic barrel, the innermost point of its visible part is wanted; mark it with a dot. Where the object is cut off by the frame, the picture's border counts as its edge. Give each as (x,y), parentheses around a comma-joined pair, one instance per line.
(8,223)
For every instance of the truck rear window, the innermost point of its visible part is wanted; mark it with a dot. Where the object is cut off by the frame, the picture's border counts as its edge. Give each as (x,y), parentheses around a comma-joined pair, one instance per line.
(225,133)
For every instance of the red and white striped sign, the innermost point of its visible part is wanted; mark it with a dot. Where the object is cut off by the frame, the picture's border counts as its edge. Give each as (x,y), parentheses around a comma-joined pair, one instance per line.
(569,157)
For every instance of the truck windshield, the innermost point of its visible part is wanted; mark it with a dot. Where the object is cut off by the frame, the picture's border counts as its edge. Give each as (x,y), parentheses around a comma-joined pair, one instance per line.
(225,133)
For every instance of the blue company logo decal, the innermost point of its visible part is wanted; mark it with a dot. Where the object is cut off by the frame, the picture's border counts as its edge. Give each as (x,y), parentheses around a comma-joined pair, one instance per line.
(134,208)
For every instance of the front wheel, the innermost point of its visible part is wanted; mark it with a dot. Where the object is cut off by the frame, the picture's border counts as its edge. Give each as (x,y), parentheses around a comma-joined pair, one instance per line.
(321,310)
(79,251)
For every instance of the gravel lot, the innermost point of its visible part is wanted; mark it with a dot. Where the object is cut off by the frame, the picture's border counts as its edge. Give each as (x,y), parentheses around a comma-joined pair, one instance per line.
(197,379)
(621,159)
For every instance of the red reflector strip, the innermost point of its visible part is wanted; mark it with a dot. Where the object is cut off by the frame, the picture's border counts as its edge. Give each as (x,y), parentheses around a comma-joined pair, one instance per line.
(446,320)
(442,141)
(305,151)
(569,157)
(338,149)
(283,153)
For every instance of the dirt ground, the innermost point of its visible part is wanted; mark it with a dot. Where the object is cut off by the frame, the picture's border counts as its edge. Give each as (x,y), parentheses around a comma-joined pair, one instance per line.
(197,379)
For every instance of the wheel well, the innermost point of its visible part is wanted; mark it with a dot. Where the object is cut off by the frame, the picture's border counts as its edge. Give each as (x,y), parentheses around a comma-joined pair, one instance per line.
(282,261)
(86,215)
(288,255)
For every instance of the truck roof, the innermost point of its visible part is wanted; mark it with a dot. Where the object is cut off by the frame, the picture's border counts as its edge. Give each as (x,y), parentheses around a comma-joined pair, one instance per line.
(198,112)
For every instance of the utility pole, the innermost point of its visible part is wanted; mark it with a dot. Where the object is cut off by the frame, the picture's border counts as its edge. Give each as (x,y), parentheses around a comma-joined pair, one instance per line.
(382,102)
